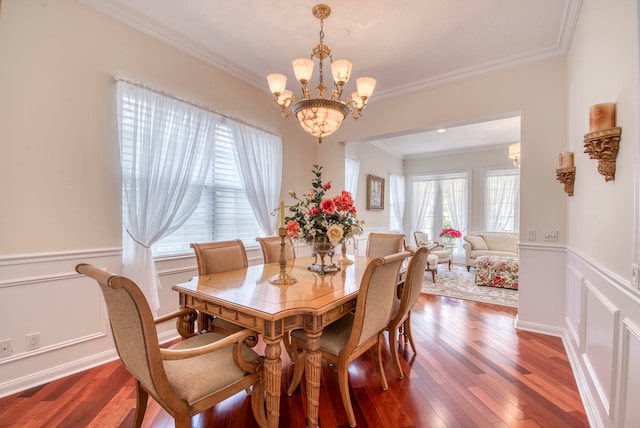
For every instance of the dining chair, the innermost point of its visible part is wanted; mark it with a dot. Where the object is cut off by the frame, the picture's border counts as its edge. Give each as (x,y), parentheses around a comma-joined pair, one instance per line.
(270,246)
(384,244)
(349,337)
(216,257)
(190,376)
(400,323)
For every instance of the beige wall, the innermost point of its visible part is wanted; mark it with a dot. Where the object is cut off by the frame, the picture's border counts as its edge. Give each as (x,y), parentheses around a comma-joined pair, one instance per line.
(373,161)
(59,156)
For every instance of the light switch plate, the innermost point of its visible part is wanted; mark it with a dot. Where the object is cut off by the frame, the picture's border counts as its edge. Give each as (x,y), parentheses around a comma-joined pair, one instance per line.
(635,276)
(531,236)
(551,235)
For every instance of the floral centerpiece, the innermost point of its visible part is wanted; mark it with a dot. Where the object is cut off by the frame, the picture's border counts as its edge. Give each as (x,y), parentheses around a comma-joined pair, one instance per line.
(318,218)
(321,220)
(450,233)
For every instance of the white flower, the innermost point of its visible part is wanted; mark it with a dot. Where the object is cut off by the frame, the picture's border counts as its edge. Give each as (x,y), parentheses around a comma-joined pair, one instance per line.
(335,233)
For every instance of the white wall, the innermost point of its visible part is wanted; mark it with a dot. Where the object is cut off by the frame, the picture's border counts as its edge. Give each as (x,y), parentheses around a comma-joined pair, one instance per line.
(602,308)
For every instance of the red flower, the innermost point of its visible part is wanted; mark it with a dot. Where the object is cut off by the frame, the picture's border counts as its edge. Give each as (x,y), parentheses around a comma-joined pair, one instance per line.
(313,210)
(450,232)
(327,206)
(327,186)
(292,229)
(344,202)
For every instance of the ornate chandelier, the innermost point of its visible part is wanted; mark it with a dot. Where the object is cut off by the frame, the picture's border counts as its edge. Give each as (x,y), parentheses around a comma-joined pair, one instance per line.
(321,116)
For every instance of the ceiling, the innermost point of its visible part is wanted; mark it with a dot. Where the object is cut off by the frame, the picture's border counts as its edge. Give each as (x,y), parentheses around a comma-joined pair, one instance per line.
(406,45)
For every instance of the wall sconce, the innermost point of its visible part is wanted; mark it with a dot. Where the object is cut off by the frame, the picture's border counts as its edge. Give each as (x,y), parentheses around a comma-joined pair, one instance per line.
(514,154)
(566,174)
(603,140)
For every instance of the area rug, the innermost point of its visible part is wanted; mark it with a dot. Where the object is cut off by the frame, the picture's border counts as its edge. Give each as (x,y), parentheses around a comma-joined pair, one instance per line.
(460,284)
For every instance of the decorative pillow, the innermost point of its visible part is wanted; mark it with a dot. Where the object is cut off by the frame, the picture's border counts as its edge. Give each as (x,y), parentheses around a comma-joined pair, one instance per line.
(476,242)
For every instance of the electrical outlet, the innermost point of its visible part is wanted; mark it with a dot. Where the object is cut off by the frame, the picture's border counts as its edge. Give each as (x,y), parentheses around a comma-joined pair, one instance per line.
(33,341)
(550,235)
(6,347)
(635,276)
(531,235)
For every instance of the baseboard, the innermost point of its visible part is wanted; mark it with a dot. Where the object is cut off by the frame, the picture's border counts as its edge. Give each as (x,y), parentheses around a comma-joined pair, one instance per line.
(538,328)
(581,381)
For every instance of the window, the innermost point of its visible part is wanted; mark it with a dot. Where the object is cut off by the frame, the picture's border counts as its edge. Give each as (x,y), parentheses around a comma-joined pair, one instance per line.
(223,211)
(502,200)
(439,201)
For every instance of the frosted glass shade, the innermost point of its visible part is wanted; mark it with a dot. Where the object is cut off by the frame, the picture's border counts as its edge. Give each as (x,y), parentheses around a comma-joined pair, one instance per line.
(341,70)
(365,85)
(303,69)
(357,100)
(277,83)
(320,117)
(286,98)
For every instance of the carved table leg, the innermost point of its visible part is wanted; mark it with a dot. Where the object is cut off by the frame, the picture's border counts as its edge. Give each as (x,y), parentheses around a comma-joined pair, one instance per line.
(185,324)
(273,373)
(313,371)
(204,322)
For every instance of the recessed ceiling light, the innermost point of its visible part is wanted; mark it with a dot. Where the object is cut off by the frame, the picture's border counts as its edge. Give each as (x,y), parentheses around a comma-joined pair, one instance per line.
(441,130)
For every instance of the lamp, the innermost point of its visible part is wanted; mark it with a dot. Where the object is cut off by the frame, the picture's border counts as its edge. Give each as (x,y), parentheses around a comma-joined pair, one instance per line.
(514,154)
(321,116)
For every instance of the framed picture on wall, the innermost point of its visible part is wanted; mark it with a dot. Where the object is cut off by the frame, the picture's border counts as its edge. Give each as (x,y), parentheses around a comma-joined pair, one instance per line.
(375,192)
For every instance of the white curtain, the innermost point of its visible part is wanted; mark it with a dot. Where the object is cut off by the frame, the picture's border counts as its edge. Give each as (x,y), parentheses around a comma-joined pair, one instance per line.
(454,195)
(351,173)
(397,197)
(258,157)
(423,196)
(163,174)
(501,202)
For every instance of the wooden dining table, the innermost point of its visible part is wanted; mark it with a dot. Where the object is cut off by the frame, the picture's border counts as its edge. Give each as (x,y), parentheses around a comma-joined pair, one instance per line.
(246,297)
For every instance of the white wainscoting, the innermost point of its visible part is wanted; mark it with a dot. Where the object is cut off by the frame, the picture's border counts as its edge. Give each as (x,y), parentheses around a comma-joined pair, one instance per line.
(602,339)
(42,293)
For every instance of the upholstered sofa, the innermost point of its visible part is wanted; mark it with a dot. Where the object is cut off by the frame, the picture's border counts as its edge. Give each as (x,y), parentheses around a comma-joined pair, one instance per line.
(497,244)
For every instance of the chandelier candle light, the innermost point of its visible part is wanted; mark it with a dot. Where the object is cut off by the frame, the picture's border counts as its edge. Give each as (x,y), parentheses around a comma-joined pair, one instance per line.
(321,116)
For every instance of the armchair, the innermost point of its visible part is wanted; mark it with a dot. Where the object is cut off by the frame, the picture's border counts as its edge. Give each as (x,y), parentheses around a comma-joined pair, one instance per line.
(188,377)
(444,255)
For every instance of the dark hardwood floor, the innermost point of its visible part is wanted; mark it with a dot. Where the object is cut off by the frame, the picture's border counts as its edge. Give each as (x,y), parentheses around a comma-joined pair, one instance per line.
(473,368)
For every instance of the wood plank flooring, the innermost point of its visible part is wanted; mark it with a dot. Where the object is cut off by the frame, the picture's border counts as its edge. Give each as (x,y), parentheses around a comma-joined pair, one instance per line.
(472,369)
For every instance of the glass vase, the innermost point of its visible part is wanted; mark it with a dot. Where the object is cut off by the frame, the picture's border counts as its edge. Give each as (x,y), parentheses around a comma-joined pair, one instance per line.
(344,260)
(324,251)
